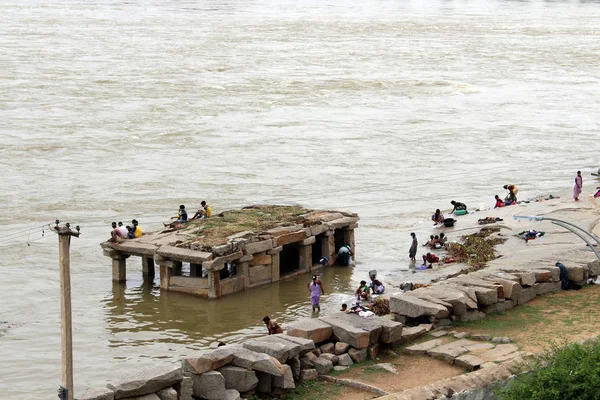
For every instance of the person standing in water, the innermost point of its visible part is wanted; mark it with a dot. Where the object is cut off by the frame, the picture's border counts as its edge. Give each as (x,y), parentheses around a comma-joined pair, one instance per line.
(412,252)
(316,289)
(578,186)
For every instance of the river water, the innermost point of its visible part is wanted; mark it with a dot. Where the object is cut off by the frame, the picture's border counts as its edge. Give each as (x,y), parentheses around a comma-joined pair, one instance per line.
(117,110)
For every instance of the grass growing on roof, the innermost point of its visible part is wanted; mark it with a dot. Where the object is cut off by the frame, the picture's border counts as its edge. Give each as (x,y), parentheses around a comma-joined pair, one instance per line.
(215,230)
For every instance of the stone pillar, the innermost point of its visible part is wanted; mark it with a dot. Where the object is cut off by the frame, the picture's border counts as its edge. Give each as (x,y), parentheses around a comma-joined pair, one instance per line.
(214,284)
(147,266)
(165,277)
(119,269)
(275,267)
(328,246)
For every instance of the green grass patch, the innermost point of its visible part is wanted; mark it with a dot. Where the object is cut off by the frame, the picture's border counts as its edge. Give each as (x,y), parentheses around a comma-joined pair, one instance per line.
(566,372)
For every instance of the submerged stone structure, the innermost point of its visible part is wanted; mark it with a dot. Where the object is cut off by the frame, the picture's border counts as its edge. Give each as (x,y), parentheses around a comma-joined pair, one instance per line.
(238,249)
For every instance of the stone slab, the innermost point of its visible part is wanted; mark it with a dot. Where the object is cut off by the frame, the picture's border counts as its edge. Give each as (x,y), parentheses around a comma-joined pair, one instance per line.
(414,307)
(480,347)
(308,374)
(96,394)
(527,295)
(238,378)
(291,238)
(286,381)
(410,333)
(498,352)
(258,247)
(208,360)
(181,254)
(469,362)
(209,385)
(348,333)
(322,365)
(310,328)
(422,348)
(548,287)
(257,361)
(145,381)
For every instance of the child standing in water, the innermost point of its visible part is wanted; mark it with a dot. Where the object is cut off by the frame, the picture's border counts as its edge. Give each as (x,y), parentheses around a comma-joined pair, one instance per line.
(316,289)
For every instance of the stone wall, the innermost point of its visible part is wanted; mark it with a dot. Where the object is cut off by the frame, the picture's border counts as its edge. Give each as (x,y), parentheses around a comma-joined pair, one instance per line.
(472,296)
(269,365)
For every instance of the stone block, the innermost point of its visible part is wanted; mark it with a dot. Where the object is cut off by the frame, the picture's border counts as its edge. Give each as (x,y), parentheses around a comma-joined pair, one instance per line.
(593,268)
(479,347)
(208,360)
(310,328)
(261,259)
(345,360)
(318,229)
(547,287)
(209,385)
(357,355)
(322,365)
(542,275)
(501,339)
(414,307)
(577,273)
(264,382)
(311,355)
(309,240)
(96,394)
(259,273)
(527,278)
(438,333)
(460,335)
(327,348)
(422,348)
(471,316)
(308,374)
(373,351)
(291,238)
(480,336)
(346,332)
(341,348)
(145,381)
(411,333)
(450,350)
(306,363)
(498,352)
(286,381)
(238,378)
(186,388)
(232,394)
(509,304)
(468,362)
(527,294)
(331,357)
(305,345)
(296,366)
(167,394)
(493,308)
(257,361)
(275,250)
(278,350)
(258,247)
(512,289)
(391,331)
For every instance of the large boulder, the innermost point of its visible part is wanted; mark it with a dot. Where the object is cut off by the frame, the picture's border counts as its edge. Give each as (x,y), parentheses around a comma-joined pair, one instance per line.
(145,381)
(167,394)
(275,348)
(345,360)
(347,332)
(257,361)
(286,381)
(96,394)
(414,307)
(322,365)
(208,360)
(310,328)
(238,378)
(357,355)
(209,385)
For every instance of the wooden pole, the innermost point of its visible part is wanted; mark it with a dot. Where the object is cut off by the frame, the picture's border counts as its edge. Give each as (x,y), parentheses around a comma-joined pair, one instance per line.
(64,245)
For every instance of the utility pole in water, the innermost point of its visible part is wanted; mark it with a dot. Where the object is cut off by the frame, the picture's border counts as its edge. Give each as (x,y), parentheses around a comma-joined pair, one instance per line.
(65,392)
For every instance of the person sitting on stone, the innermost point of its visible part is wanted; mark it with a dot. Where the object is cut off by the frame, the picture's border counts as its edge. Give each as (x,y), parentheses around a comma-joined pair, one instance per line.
(116,235)
(499,202)
(181,218)
(137,231)
(344,308)
(362,293)
(376,286)
(458,206)
(204,212)
(272,326)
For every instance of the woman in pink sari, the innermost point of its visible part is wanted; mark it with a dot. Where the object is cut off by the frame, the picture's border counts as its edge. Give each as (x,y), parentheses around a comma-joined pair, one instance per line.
(578,186)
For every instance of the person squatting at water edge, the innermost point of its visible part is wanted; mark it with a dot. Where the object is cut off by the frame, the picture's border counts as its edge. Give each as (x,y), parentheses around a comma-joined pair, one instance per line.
(344,256)
(430,258)
(458,206)
(376,286)
(511,197)
(438,217)
(272,326)
(316,289)
(362,293)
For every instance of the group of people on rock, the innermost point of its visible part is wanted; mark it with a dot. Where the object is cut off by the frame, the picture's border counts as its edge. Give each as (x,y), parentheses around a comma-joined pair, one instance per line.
(182,215)
(510,199)
(120,232)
